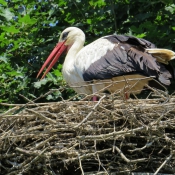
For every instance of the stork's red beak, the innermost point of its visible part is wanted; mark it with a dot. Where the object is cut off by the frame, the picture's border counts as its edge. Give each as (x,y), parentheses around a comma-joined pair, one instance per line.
(53,58)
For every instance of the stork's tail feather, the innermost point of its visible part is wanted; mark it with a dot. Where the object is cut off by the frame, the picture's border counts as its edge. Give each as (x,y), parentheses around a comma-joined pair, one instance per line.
(162,55)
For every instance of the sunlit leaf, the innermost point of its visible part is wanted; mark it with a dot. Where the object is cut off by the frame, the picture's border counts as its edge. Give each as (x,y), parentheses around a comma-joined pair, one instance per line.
(142,35)
(49,97)
(89,21)
(3,2)
(6,13)
(57,72)
(38,84)
(11,29)
(171,8)
(27,20)
(3,58)
(13,73)
(51,12)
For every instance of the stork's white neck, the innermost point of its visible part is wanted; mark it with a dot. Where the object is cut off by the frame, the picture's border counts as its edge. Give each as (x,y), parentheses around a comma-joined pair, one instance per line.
(73,51)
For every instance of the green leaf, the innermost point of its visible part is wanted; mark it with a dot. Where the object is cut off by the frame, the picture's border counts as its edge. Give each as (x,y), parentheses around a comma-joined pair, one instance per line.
(171,8)
(98,3)
(49,97)
(51,11)
(3,2)
(51,77)
(60,66)
(6,13)
(38,84)
(10,29)
(27,20)
(13,73)
(3,76)
(89,21)
(173,28)
(167,1)
(57,72)
(141,35)
(3,58)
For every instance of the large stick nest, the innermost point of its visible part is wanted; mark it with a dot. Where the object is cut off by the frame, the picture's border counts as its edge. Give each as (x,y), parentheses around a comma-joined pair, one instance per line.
(85,137)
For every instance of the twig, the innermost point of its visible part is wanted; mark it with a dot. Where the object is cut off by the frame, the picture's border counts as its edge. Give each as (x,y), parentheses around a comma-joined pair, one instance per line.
(23,106)
(18,116)
(163,115)
(146,146)
(80,165)
(166,160)
(27,152)
(43,143)
(19,166)
(33,104)
(28,100)
(102,164)
(97,152)
(113,134)
(42,116)
(128,160)
(93,109)
(100,82)
(156,92)
(26,167)
(7,112)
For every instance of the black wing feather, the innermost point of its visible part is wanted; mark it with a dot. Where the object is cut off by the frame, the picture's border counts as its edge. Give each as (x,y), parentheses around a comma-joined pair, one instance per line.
(127,57)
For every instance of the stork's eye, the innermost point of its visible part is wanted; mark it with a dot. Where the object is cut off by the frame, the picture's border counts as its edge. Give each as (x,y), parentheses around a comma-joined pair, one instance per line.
(64,36)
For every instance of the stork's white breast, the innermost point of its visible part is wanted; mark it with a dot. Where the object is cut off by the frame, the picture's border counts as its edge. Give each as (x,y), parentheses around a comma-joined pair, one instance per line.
(91,53)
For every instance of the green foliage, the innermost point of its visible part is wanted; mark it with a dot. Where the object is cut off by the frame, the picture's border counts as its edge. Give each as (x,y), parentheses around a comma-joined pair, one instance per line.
(30,29)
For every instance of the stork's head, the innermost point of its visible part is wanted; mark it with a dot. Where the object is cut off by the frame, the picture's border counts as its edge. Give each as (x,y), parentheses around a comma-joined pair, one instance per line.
(71,34)
(67,38)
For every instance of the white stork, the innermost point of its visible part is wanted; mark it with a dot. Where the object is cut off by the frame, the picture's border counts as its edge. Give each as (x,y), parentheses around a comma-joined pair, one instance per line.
(110,58)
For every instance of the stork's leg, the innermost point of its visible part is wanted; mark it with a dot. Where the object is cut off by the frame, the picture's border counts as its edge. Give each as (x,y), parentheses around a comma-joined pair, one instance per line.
(126,93)
(94,90)
(94,98)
